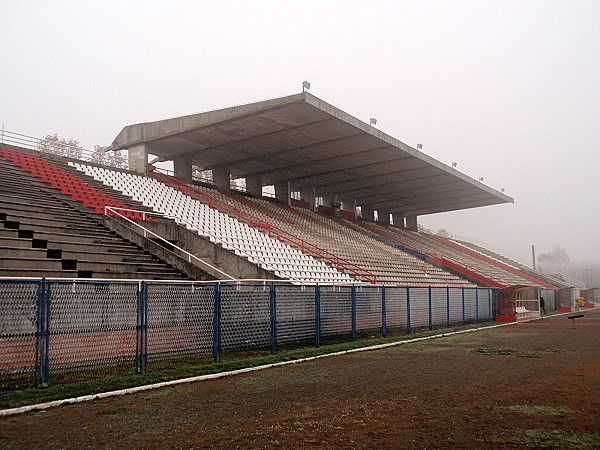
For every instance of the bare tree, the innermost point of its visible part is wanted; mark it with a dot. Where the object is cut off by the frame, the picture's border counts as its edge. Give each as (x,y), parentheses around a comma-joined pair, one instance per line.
(52,143)
(116,159)
(99,156)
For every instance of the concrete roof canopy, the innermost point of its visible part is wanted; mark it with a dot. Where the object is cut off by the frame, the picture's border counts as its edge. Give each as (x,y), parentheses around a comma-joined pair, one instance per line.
(302,139)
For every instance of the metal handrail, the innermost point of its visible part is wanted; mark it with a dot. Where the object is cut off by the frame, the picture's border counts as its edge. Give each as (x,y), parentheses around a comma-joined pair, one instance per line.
(147,231)
(181,220)
(282,234)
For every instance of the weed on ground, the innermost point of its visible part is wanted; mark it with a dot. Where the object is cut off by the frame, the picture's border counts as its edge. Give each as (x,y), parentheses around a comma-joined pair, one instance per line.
(556,439)
(541,410)
(511,351)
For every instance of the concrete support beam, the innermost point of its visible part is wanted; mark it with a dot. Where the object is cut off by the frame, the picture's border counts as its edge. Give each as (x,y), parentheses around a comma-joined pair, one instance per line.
(254,185)
(221,178)
(398,220)
(183,168)
(138,158)
(368,212)
(411,223)
(383,216)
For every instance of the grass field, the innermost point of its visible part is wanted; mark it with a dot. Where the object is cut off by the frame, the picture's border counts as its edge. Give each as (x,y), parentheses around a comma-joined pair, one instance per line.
(531,385)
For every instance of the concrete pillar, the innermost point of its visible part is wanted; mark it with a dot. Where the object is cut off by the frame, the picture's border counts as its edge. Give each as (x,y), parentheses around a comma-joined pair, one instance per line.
(411,223)
(221,178)
(138,158)
(281,192)
(254,185)
(183,168)
(367,212)
(308,195)
(398,220)
(383,216)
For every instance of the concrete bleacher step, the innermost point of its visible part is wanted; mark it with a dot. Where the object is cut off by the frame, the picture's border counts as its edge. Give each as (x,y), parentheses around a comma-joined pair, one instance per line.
(43,232)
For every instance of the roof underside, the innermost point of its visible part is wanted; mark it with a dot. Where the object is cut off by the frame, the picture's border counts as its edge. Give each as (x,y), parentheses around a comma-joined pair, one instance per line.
(302,139)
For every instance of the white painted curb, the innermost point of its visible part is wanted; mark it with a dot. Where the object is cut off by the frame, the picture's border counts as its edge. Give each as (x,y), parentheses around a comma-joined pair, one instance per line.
(213,376)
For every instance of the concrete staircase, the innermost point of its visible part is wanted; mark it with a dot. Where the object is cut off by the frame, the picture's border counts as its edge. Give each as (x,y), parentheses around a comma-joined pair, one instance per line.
(46,233)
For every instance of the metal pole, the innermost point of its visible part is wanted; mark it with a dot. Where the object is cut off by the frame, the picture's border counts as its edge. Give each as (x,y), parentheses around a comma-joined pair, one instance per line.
(273,310)
(217,323)
(448,305)
(318,315)
(463,304)
(430,312)
(383,312)
(476,304)
(144,288)
(408,327)
(353,301)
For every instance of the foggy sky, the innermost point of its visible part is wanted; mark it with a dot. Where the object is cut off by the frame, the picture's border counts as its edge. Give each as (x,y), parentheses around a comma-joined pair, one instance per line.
(509,90)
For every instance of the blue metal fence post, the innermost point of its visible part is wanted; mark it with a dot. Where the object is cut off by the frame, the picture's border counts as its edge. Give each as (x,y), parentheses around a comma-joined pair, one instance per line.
(383,312)
(318,314)
(41,343)
(353,313)
(144,288)
(463,304)
(476,304)
(273,310)
(448,305)
(142,327)
(217,323)
(408,327)
(430,311)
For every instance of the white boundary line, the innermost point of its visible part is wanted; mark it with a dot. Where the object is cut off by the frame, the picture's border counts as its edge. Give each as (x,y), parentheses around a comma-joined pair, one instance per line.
(213,376)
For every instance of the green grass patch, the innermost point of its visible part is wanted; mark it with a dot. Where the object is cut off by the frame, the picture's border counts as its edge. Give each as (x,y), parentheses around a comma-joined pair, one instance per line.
(541,410)
(493,351)
(511,351)
(57,392)
(556,439)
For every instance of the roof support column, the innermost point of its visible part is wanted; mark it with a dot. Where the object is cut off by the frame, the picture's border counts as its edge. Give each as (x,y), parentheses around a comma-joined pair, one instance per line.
(367,212)
(398,220)
(383,217)
(254,185)
(183,168)
(221,178)
(283,191)
(411,222)
(138,158)
(308,195)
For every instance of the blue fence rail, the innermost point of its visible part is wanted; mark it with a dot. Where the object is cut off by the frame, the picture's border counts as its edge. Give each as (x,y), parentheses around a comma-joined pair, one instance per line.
(60,331)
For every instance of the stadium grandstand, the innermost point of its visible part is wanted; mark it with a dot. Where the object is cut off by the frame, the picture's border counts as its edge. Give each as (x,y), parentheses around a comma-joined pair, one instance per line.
(66,217)
(108,271)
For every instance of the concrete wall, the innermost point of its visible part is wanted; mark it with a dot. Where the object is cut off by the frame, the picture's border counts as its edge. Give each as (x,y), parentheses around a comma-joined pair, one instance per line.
(198,246)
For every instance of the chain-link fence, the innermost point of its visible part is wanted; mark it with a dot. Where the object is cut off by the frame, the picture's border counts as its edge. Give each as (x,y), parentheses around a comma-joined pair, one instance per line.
(59,331)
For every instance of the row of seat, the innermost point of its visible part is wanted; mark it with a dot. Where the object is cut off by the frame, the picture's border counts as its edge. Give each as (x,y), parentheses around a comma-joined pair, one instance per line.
(352,245)
(217,226)
(65,182)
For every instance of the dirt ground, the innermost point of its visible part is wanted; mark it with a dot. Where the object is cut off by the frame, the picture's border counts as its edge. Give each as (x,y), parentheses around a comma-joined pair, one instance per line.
(433,394)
